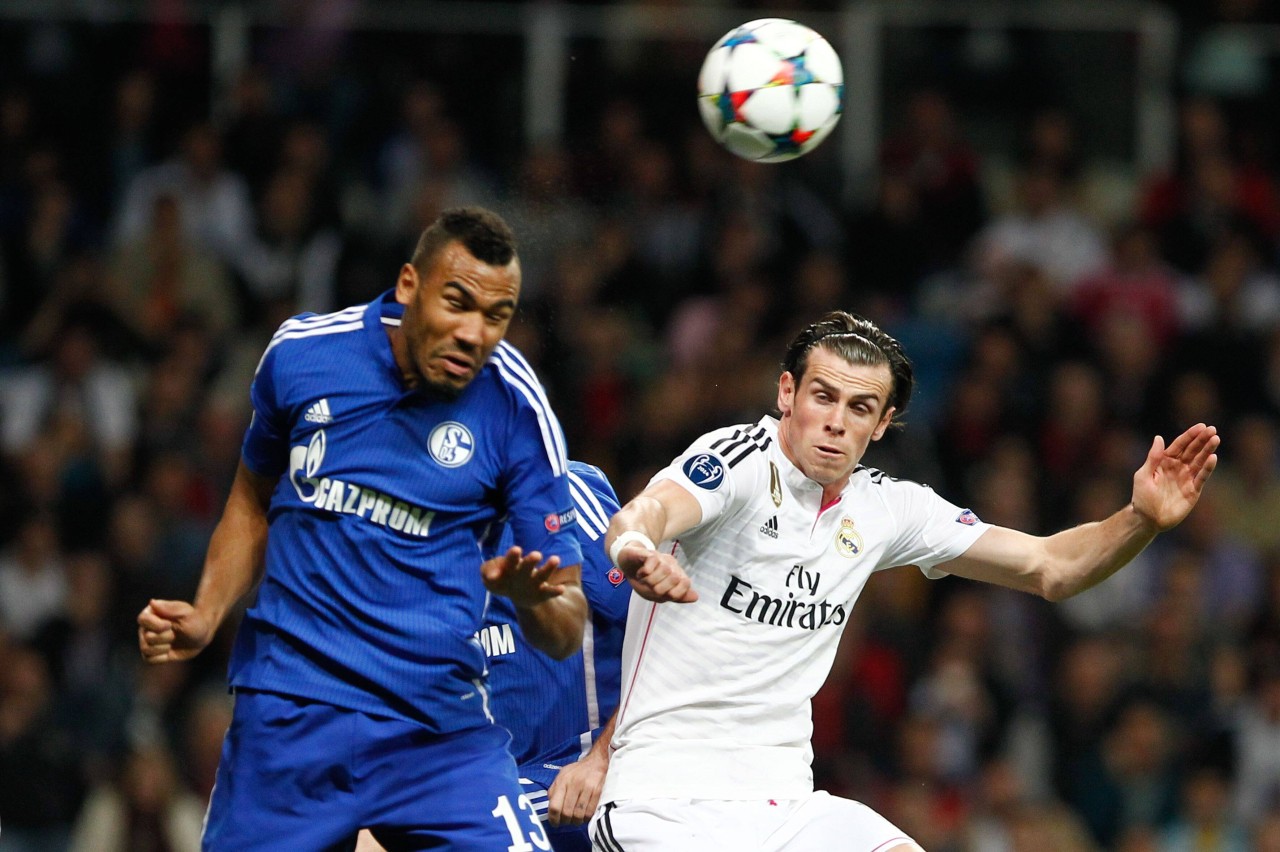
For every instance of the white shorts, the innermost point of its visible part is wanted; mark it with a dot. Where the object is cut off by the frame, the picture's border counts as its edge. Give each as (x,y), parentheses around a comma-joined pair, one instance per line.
(819,823)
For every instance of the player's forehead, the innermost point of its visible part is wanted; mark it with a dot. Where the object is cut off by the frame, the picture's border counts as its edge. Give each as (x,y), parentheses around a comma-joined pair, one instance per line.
(829,370)
(456,268)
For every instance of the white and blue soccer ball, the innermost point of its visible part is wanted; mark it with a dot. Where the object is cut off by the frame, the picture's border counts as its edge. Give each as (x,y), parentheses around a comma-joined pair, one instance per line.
(771,90)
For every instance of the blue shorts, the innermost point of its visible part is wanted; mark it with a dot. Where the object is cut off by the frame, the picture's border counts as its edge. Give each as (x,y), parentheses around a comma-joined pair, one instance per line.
(299,774)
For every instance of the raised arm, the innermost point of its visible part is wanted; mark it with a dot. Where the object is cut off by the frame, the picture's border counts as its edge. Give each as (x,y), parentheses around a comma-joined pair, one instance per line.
(1165,490)
(177,630)
(661,512)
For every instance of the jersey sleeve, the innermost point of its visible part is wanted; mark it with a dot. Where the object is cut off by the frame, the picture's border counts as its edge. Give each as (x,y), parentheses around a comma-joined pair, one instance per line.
(540,511)
(266,442)
(594,501)
(930,530)
(707,472)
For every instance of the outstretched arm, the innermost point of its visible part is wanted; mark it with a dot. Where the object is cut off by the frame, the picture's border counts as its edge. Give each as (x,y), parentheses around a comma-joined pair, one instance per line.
(1165,490)
(177,630)
(550,605)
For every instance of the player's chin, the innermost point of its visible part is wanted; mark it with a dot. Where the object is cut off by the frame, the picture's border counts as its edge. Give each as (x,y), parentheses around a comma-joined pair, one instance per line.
(447,387)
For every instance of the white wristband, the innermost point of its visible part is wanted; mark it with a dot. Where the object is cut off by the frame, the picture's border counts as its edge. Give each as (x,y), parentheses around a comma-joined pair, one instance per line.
(625,538)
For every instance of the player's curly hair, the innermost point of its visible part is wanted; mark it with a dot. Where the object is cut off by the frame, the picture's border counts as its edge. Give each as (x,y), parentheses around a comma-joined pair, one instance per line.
(481,231)
(859,341)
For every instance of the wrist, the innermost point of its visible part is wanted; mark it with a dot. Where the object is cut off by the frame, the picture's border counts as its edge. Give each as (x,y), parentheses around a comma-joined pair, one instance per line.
(1145,522)
(628,538)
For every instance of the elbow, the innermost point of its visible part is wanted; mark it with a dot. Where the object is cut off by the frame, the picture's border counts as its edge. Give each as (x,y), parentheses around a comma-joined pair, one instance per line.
(1053,584)
(563,647)
(1054,591)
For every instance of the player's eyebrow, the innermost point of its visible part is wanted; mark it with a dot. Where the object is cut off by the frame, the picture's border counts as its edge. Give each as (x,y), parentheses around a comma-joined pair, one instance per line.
(835,391)
(471,299)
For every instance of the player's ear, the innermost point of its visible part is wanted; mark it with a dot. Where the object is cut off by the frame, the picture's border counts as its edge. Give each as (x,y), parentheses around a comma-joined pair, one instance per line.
(786,393)
(407,284)
(883,425)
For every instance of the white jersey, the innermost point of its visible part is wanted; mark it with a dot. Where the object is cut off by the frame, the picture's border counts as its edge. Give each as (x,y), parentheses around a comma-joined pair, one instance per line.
(716,694)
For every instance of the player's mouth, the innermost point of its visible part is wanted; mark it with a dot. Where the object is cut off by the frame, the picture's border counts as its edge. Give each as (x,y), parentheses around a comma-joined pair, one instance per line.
(458,365)
(828,452)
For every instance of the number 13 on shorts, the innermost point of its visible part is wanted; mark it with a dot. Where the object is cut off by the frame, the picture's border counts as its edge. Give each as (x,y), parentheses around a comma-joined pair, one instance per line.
(508,815)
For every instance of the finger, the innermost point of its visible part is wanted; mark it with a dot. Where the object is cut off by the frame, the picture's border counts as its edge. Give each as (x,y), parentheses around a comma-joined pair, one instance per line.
(148,620)
(1210,464)
(156,650)
(1203,452)
(1195,446)
(158,637)
(683,591)
(546,569)
(555,802)
(1157,450)
(1181,442)
(168,609)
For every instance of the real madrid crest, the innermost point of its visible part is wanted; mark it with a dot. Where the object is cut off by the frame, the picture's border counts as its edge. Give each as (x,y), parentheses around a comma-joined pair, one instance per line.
(848,539)
(775,485)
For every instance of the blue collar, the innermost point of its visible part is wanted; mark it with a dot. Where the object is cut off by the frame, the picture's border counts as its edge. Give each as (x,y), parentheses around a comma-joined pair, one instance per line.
(384,307)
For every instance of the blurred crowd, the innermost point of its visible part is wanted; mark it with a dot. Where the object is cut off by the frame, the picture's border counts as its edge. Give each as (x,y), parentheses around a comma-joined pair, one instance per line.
(152,239)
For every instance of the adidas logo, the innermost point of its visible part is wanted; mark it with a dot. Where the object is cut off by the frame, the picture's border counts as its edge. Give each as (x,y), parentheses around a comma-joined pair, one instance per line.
(770,527)
(318,412)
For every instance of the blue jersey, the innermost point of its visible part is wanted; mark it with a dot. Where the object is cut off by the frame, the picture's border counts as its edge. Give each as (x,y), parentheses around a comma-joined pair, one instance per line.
(554,709)
(372,593)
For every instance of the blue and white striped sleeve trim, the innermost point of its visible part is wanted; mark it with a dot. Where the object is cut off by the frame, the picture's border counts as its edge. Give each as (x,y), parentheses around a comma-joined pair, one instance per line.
(591,515)
(348,319)
(517,373)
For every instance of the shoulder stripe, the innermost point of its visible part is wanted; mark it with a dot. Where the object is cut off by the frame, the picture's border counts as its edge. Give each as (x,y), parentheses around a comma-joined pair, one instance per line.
(517,372)
(729,439)
(730,444)
(759,446)
(391,320)
(281,337)
(344,315)
(589,508)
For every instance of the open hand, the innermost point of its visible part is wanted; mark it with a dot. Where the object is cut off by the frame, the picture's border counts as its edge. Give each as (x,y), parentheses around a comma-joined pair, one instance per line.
(1168,485)
(524,578)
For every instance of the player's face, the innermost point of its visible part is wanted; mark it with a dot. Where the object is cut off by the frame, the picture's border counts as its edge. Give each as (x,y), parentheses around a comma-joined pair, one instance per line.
(455,314)
(832,414)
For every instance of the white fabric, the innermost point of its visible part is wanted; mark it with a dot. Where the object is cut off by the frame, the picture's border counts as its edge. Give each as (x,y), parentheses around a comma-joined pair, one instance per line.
(815,823)
(716,694)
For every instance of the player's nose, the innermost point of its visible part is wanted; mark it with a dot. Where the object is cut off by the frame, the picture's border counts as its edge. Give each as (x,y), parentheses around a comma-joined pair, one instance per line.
(469,332)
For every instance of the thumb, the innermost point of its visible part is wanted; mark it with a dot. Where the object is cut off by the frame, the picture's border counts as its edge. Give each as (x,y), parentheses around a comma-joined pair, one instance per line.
(1157,450)
(169,609)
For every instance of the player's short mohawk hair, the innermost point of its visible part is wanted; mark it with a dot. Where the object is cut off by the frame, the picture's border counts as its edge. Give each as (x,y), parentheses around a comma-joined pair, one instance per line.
(859,341)
(484,233)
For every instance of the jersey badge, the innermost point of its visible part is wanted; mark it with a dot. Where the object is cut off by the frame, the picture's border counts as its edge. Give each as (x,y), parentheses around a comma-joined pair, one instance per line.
(848,539)
(615,576)
(557,521)
(967,517)
(705,471)
(775,485)
(451,444)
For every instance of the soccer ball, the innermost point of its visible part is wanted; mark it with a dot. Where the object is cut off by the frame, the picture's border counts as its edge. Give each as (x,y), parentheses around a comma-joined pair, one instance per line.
(770,90)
